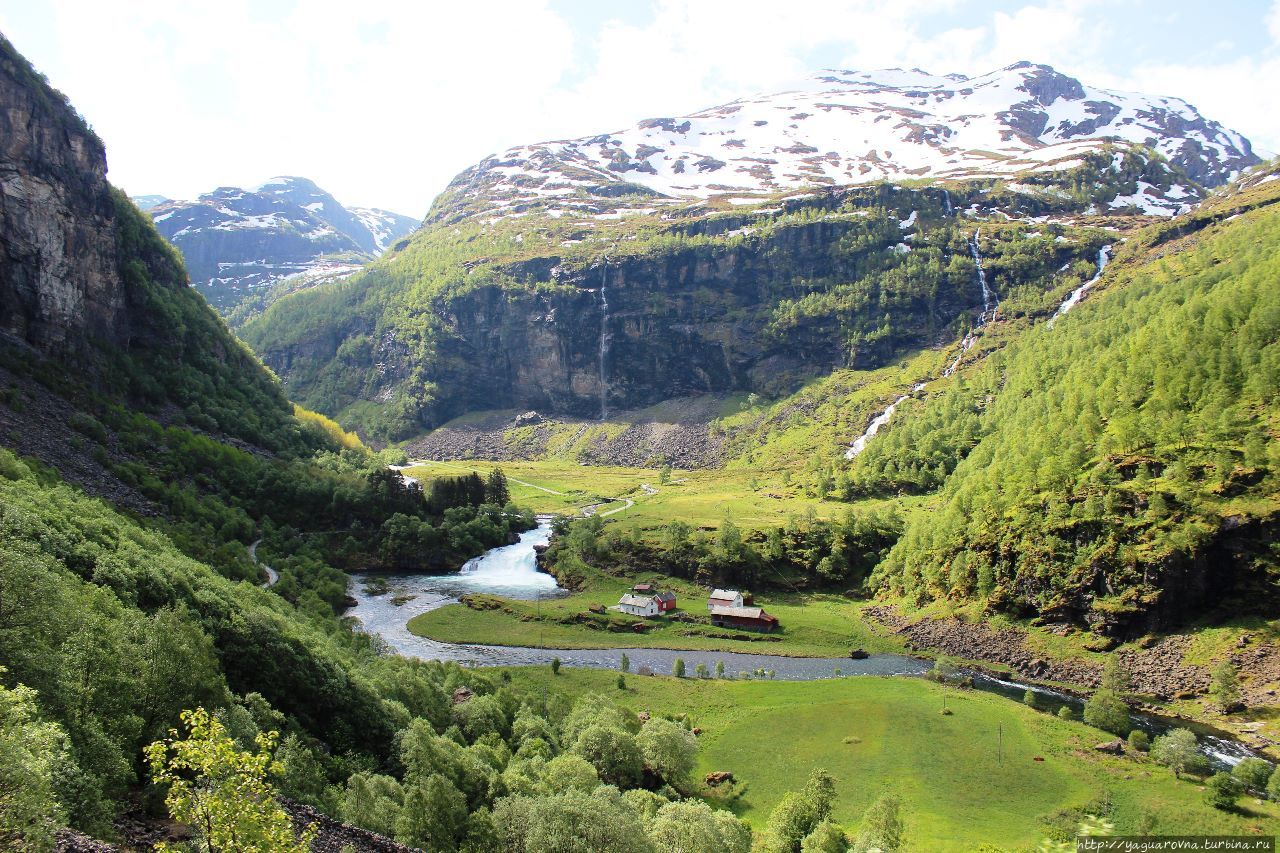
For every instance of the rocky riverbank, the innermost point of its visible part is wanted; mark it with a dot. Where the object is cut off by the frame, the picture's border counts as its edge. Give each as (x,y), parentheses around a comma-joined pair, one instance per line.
(1157,670)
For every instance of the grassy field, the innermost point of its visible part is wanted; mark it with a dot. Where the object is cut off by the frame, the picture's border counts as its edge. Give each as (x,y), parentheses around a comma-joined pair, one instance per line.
(753,499)
(817,625)
(966,779)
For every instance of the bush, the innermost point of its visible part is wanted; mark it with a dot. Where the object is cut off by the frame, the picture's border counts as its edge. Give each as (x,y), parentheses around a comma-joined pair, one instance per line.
(1029,699)
(1138,741)
(1253,773)
(1222,790)
(555,666)
(1179,752)
(677,669)
(1065,713)
(88,426)
(1107,711)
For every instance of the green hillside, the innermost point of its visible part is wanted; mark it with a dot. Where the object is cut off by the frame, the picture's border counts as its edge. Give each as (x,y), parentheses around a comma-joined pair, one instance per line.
(1120,466)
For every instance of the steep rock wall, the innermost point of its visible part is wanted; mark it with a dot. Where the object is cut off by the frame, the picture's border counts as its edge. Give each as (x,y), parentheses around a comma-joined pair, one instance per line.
(58,272)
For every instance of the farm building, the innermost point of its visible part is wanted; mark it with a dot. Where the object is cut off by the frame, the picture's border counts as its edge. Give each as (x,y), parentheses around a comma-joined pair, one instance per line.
(638,605)
(666,600)
(724,598)
(752,618)
(642,588)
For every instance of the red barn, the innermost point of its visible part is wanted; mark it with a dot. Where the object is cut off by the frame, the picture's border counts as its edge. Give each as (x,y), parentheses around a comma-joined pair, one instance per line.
(751,618)
(666,600)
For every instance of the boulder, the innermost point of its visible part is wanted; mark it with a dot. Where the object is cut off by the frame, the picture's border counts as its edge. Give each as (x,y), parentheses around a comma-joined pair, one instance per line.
(462,694)
(719,777)
(528,419)
(1114,747)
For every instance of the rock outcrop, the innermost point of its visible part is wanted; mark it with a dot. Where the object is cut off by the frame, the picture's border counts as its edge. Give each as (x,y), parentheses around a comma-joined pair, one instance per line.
(58,274)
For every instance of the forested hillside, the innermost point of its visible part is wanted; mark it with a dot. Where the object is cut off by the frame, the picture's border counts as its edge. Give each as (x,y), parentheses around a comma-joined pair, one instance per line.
(1119,465)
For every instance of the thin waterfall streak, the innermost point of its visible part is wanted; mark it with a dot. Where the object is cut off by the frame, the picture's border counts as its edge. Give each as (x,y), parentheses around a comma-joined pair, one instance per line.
(1104,255)
(604,339)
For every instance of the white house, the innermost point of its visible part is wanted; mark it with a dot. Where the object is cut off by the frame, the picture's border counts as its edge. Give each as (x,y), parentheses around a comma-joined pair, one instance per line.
(638,605)
(724,598)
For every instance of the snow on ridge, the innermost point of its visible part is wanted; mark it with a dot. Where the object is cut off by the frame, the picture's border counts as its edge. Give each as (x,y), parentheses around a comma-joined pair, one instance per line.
(851,127)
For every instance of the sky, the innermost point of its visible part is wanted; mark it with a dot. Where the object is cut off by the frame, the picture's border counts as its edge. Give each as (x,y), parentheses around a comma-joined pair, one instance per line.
(382,103)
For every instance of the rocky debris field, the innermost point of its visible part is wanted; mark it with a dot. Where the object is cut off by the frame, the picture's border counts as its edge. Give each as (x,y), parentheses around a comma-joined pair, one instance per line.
(39,424)
(682,438)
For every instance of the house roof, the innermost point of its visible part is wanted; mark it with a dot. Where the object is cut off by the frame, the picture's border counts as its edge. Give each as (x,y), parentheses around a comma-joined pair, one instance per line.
(666,595)
(743,613)
(724,594)
(636,600)
(642,587)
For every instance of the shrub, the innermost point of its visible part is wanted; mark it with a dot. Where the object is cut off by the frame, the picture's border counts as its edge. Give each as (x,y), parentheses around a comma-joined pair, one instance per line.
(1138,741)
(1222,790)
(1253,773)
(1107,711)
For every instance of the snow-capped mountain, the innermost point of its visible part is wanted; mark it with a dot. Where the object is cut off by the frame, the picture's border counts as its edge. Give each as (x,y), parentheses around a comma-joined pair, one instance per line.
(236,240)
(848,127)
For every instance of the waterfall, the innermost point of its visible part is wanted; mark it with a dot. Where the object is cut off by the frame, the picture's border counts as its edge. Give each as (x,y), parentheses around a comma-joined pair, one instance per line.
(604,340)
(988,297)
(860,444)
(946,200)
(1104,255)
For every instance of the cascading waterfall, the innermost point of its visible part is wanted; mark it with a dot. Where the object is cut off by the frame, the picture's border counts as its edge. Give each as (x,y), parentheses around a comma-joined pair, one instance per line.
(989,304)
(988,297)
(1104,255)
(946,200)
(604,340)
(860,444)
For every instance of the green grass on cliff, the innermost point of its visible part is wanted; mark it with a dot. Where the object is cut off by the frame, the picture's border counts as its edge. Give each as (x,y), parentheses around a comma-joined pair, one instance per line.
(966,779)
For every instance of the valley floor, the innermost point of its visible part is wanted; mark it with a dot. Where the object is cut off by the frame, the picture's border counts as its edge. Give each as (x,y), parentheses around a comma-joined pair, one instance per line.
(1173,671)
(990,772)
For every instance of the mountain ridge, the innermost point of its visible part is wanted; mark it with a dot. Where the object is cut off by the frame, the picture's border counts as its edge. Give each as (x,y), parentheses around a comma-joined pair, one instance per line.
(237,241)
(838,128)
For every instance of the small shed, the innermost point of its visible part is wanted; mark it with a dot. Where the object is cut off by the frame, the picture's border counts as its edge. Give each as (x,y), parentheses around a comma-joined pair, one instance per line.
(666,600)
(642,588)
(724,598)
(638,605)
(751,618)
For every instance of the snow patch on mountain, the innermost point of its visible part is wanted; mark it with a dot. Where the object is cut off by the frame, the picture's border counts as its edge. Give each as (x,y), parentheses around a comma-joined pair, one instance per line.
(849,127)
(236,240)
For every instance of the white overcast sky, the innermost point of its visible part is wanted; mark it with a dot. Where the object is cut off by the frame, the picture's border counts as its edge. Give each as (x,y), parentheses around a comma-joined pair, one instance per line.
(382,102)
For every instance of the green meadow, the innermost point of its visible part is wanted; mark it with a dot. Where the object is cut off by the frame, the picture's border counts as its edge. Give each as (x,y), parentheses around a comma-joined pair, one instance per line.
(967,778)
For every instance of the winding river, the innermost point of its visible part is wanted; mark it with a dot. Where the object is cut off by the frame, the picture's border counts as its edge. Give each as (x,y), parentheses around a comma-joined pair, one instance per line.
(386,602)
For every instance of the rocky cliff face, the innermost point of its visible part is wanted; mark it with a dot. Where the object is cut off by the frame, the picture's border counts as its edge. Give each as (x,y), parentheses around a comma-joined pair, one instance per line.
(59,283)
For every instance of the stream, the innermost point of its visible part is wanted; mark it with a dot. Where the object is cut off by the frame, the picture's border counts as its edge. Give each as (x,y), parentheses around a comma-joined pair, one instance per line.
(511,571)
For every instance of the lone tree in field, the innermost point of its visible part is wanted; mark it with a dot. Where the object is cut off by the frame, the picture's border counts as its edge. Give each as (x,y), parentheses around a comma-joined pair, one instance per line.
(1178,751)
(881,827)
(1107,711)
(221,792)
(677,669)
(1226,687)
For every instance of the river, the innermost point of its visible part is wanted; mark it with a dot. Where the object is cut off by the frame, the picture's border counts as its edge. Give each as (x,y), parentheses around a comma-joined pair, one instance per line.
(511,571)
